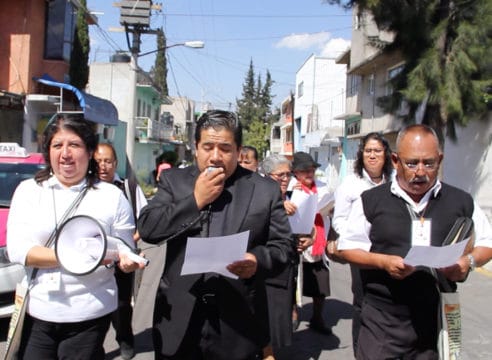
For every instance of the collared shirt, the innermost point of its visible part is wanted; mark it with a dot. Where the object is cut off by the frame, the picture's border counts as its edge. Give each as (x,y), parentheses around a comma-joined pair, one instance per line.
(35,211)
(140,198)
(356,235)
(347,193)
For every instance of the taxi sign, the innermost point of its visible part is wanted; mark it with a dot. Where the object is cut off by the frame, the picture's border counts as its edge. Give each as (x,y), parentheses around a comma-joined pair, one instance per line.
(12,150)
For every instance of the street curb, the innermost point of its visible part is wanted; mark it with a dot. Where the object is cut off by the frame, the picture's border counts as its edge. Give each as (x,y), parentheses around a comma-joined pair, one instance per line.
(484,271)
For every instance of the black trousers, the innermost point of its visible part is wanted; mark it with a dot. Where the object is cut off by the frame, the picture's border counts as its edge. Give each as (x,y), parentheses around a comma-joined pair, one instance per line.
(204,339)
(122,317)
(44,340)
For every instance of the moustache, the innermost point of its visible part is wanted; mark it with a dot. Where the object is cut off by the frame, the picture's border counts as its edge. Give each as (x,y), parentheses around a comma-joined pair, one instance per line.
(420,179)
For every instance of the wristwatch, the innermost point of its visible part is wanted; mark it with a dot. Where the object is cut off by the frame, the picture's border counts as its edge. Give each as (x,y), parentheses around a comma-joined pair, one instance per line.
(471,259)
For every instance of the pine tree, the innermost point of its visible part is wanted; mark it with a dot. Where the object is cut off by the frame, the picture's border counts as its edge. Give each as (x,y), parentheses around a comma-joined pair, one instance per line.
(254,111)
(247,104)
(159,70)
(79,58)
(447,46)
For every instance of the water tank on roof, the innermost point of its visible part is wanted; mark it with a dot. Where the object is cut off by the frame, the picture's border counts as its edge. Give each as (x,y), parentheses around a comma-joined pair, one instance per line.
(120,58)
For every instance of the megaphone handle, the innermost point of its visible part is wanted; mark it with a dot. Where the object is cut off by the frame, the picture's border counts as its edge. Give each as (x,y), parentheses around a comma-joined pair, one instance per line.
(137,258)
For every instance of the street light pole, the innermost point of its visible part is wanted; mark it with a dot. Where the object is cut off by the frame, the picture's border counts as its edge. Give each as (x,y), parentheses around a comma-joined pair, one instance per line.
(191,44)
(132,92)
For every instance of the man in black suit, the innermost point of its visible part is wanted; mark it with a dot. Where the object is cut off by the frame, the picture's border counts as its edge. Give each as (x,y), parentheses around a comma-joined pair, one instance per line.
(210,316)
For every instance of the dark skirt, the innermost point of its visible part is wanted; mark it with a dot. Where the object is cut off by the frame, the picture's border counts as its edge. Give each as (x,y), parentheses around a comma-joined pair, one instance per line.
(280,293)
(315,279)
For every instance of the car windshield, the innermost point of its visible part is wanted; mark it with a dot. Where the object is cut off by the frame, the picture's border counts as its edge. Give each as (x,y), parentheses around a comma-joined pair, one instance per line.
(11,175)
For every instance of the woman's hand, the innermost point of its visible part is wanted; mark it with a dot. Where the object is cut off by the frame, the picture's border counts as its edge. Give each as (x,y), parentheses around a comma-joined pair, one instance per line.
(127,265)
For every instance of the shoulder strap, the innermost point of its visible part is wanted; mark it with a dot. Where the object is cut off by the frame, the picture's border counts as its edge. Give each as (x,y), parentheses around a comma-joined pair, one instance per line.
(71,209)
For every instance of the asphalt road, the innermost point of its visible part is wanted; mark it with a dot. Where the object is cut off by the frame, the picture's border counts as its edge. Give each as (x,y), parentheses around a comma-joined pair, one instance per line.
(476,319)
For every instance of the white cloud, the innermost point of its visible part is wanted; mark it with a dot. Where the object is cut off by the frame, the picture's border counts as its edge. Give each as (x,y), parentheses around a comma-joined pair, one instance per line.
(334,47)
(322,41)
(304,41)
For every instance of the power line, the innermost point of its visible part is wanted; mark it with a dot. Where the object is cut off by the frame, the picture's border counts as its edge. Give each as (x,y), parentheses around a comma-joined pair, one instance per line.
(296,16)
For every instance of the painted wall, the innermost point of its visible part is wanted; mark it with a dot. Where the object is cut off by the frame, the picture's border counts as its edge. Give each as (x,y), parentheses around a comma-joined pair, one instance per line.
(467,164)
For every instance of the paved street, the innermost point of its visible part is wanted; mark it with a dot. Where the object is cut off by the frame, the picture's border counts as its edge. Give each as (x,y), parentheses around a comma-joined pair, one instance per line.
(475,295)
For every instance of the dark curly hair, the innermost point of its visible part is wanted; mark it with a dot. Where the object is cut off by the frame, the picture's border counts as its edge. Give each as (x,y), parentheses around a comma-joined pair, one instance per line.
(84,129)
(359,162)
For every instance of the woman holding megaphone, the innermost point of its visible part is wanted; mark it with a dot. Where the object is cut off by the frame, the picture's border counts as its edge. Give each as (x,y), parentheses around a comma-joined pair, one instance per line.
(68,314)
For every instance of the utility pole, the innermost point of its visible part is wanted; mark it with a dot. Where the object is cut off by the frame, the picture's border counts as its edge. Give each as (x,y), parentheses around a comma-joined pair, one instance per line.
(135,17)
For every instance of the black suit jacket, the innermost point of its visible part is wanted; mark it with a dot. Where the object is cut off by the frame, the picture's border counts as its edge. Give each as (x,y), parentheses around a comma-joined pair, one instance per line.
(255,204)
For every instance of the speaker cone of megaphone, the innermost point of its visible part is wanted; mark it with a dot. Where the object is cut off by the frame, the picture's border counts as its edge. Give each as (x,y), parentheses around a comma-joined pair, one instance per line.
(80,245)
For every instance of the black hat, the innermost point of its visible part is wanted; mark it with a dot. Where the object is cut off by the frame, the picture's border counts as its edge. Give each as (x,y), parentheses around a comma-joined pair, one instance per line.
(303,161)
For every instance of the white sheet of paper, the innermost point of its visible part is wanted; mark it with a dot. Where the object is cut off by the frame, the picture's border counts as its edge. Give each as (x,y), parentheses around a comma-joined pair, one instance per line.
(435,256)
(213,254)
(302,221)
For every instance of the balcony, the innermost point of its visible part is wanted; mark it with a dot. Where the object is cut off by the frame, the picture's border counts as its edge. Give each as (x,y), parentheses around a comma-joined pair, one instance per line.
(148,130)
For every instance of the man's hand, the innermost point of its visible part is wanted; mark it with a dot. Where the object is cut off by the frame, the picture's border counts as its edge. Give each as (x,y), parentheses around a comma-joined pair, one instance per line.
(395,266)
(208,186)
(244,268)
(290,207)
(458,271)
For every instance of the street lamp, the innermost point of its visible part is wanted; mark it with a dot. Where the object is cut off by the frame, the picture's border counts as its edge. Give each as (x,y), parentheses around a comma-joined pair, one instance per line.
(196,44)
(130,131)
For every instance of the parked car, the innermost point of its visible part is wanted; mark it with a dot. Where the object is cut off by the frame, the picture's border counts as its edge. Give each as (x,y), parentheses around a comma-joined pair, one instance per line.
(15,165)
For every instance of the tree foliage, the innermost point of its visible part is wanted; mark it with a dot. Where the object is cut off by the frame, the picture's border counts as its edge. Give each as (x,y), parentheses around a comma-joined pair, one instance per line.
(158,72)
(254,110)
(79,58)
(447,47)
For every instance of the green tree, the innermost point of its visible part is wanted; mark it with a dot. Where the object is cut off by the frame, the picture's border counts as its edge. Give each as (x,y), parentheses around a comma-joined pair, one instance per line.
(247,104)
(447,47)
(158,72)
(79,58)
(254,111)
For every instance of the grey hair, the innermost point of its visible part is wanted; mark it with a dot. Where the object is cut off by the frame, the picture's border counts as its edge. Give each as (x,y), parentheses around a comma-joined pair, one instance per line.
(272,162)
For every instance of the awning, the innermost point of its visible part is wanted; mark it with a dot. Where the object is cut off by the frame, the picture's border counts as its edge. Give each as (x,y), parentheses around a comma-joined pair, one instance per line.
(95,109)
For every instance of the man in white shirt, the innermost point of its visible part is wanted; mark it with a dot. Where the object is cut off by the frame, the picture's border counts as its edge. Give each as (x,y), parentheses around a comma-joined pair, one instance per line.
(399,313)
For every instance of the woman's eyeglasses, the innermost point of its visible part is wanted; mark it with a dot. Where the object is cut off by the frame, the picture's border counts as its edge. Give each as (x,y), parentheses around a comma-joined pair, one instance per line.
(284,175)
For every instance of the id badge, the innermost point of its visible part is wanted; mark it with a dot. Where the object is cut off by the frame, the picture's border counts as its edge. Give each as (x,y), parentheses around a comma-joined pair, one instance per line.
(51,280)
(421,232)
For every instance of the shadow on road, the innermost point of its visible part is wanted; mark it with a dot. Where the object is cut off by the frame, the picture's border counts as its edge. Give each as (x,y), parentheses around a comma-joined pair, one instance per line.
(308,344)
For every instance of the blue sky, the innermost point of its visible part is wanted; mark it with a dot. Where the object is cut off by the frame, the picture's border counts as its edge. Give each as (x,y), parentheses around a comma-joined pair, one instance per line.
(277,35)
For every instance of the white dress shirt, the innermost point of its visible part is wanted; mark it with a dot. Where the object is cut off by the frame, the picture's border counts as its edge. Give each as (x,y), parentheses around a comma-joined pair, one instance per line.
(356,235)
(35,211)
(346,194)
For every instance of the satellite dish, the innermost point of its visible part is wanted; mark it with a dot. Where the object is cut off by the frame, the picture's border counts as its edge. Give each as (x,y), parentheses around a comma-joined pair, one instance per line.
(81,245)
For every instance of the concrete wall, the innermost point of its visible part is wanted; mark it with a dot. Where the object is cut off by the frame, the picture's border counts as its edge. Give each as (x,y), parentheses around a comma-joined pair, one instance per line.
(467,163)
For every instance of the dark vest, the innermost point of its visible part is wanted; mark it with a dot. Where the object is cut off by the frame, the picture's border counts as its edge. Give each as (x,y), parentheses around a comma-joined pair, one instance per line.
(391,234)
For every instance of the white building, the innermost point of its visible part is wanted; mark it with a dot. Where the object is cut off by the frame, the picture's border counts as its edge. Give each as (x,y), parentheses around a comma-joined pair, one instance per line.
(319,98)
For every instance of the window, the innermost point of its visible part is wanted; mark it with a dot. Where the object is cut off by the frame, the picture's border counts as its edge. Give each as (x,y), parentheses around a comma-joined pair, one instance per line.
(371,86)
(139,107)
(300,89)
(59,29)
(276,132)
(357,21)
(392,73)
(354,84)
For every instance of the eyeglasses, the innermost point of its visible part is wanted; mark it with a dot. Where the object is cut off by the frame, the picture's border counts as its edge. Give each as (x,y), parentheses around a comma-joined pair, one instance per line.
(413,165)
(368,151)
(284,175)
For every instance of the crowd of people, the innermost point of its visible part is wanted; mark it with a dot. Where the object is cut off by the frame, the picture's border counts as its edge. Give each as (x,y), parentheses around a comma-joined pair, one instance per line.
(275,209)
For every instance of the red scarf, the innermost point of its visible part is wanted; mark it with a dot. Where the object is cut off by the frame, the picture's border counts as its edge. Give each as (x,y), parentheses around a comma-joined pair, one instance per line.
(320,239)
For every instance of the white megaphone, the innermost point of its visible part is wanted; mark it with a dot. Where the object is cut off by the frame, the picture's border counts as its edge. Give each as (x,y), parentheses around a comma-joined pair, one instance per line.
(82,244)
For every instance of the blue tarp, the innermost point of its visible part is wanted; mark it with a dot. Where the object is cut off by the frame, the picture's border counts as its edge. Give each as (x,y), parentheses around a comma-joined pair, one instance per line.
(95,109)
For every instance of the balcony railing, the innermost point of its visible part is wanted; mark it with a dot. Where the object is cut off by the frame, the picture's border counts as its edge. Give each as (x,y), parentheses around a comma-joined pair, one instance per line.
(147,129)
